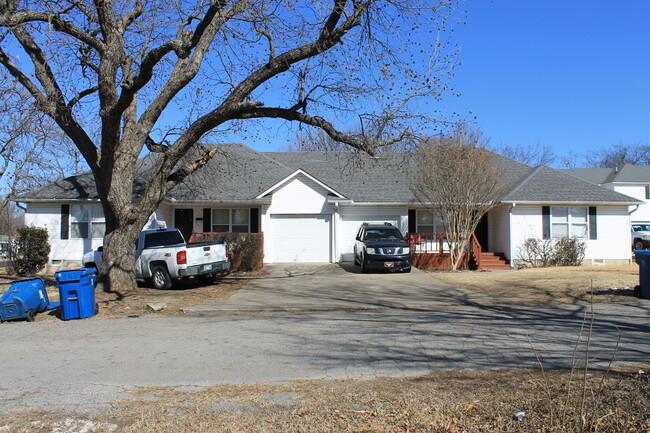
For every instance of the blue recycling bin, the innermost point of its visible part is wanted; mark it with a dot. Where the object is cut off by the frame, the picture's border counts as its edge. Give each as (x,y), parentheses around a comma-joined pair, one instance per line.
(24,299)
(643,260)
(77,292)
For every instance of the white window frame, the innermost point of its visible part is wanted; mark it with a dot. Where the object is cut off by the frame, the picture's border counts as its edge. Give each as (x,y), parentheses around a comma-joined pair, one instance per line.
(570,223)
(436,225)
(89,222)
(231,222)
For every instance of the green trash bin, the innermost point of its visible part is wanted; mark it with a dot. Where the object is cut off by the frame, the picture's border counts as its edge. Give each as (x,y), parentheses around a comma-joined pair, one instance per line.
(643,260)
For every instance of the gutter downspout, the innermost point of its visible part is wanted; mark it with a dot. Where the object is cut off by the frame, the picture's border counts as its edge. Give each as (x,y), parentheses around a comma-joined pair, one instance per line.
(510,240)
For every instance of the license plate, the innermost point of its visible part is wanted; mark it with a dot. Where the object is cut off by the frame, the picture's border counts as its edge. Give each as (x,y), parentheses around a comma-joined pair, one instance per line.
(389,264)
(206,267)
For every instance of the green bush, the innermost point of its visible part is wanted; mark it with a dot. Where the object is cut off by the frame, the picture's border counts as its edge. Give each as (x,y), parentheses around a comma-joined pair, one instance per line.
(29,251)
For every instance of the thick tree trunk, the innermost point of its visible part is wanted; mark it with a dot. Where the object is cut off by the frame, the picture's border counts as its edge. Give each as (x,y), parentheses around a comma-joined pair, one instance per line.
(117,273)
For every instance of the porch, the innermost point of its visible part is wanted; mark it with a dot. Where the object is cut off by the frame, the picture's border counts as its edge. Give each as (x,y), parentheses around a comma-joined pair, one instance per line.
(431,251)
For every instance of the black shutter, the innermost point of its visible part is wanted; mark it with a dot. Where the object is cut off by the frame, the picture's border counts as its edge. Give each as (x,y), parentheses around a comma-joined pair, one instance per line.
(412,221)
(255,220)
(593,224)
(65,221)
(207,219)
(546,222)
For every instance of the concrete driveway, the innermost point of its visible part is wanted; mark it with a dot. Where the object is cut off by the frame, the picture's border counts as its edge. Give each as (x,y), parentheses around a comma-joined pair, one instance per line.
(339,286)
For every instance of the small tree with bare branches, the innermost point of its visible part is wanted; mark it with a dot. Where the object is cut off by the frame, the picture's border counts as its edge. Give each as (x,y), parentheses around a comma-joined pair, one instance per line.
(458,179)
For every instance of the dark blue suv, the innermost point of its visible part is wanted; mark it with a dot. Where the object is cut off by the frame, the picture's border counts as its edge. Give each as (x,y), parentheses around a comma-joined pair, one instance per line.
(381,247)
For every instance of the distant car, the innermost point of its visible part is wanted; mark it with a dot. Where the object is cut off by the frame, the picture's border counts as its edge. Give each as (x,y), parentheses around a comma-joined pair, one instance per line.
(640,236)
(381,247)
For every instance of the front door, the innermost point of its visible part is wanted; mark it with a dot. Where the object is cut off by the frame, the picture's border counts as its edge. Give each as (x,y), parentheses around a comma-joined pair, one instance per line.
(184,221)
(481,232)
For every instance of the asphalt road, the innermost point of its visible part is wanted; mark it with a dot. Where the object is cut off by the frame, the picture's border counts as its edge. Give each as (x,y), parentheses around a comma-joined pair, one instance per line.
(82,365)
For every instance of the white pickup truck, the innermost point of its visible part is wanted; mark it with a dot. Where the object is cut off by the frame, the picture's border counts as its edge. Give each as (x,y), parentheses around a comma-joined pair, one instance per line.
(162,255)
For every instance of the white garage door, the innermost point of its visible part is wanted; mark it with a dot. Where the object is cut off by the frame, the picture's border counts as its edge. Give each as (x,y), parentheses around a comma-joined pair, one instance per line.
(350,227)
(304,238)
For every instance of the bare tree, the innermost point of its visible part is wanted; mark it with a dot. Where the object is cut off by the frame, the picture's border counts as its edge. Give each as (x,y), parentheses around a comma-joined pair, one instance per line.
(458,179)
(163,75)
(33,151)
(540,154)
(315,140)
(310,139)
(619,155)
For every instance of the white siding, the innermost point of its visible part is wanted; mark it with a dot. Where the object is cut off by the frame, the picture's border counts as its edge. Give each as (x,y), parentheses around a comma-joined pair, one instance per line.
(301,195)
(351,217)
(49,217)
(163,215)
(613,242)
(642,214)
(614,238)
(499,230)
(525,222)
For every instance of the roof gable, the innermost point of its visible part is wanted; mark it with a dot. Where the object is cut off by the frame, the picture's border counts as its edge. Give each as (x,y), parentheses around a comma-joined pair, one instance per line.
(293,176)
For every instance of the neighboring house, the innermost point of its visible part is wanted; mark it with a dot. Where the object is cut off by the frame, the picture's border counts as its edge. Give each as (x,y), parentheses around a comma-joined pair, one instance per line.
(631,180)
(309,205)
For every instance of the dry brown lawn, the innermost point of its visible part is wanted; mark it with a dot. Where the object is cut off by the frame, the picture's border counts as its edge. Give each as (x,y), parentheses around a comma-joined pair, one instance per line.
(555,285)
(453,402)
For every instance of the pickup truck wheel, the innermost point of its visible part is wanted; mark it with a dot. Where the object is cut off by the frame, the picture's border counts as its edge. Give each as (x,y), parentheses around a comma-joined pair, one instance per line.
(638,245)
(160,278)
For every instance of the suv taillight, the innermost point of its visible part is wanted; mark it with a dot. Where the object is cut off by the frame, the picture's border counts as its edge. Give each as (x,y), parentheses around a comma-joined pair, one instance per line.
(181,257)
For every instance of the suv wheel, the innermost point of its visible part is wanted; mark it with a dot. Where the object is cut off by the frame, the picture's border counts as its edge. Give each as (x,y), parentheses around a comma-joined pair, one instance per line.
(638,244)
(364,269)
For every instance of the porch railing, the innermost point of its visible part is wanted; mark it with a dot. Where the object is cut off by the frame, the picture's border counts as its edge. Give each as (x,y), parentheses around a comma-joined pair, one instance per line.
(438,243)
(432,243)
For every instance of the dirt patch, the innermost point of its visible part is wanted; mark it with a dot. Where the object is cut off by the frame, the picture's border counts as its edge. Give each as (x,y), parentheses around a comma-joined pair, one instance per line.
(551,286)
(454,402)
(133,303)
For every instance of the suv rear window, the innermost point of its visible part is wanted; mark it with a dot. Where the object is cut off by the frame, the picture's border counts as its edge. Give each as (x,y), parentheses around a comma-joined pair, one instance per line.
(159,239)
(382,234)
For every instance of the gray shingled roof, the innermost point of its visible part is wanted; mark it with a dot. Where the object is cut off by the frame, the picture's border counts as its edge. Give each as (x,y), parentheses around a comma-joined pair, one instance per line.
(593,175)
(240,174)
(628,173)
(546,185)
(236,173)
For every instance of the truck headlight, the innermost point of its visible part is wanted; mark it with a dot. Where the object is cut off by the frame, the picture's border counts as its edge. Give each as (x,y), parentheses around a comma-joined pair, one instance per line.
(406,250)
(370,251)
(646,237)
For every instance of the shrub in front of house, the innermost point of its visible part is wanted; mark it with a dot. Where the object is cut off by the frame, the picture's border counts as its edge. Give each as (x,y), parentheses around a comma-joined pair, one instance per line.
(245,250)
(540,253)
(29,251)
(568,252)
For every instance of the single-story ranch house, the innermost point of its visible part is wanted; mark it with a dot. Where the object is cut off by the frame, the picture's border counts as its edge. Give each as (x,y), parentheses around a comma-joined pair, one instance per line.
(309,206)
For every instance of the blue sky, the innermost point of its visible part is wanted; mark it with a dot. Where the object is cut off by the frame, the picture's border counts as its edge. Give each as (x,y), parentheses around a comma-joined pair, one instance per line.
(573,75)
